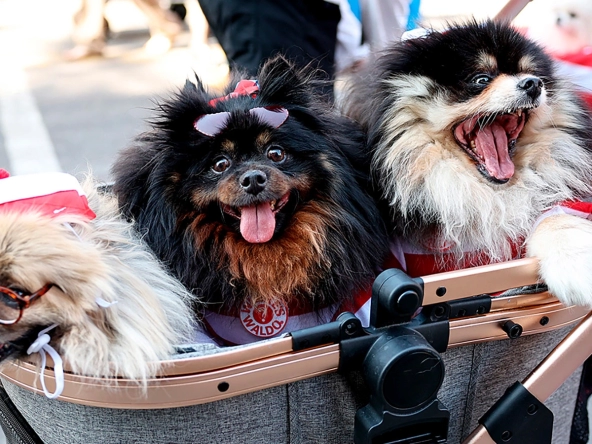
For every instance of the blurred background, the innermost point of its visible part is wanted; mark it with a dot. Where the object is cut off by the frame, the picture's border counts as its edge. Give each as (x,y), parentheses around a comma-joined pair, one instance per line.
(66,110)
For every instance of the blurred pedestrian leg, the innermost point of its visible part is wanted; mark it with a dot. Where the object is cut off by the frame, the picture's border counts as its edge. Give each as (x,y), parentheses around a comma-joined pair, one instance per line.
(164,26)
(91,28)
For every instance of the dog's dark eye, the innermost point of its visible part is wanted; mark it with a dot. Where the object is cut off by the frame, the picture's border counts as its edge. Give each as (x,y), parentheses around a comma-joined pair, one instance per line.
(481,79)
(276,154)
(18,290)
(221,164)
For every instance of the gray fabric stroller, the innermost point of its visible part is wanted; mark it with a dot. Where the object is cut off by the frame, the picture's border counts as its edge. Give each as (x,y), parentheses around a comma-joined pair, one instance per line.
(391,385)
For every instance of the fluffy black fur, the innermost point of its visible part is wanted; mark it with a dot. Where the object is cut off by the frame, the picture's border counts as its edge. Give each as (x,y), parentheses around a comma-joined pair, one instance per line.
(328,240)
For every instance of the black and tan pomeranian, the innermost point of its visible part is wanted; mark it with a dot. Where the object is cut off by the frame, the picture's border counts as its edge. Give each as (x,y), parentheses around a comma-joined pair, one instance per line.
(482,153)
(252,201)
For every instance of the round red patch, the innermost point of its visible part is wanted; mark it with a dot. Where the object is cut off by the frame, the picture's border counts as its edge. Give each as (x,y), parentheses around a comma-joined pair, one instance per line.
(264,319)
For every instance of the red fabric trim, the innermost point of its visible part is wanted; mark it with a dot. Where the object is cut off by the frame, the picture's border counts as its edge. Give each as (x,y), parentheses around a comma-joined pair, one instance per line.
(391,262)
(354,305)
(584,207)
(62,202)
(588,99)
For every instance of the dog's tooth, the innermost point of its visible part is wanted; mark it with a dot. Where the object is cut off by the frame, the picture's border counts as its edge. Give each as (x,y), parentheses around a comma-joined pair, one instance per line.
(519,113)
(272,204)
(473,145)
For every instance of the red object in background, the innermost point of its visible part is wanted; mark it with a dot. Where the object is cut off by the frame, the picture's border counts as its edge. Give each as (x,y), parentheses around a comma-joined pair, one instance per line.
(583,57)
(578,67)
(51,194)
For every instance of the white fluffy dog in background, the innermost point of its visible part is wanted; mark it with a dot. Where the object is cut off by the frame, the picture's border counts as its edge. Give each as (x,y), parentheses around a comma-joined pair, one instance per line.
(562,27)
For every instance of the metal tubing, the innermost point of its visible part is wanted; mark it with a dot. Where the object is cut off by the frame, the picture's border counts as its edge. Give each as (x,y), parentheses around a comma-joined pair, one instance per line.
(510,10)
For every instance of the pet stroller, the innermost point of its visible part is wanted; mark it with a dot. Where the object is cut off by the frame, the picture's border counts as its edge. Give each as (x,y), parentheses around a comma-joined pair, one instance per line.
(407,378)
(391,385)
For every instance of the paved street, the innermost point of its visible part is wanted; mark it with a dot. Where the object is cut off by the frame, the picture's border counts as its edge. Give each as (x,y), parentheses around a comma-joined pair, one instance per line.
(73,116)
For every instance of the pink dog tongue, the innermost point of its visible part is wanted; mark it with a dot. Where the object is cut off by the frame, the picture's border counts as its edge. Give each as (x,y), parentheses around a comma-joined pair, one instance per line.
(492,143)
(257,223)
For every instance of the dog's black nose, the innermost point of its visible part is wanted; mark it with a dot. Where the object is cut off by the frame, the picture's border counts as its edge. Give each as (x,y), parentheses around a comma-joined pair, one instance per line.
(253,181)
(532,86)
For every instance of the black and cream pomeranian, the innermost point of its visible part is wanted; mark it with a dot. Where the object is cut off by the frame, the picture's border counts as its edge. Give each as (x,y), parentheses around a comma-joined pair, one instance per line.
(255,200)
(482,153)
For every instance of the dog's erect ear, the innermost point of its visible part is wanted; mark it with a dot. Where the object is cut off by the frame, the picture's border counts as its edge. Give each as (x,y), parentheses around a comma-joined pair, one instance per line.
(281,82)
(189,86)
(196,87)
(180,110)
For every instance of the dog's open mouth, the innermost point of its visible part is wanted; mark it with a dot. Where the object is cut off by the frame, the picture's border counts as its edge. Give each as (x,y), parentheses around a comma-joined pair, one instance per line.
(490,140)
(257,222)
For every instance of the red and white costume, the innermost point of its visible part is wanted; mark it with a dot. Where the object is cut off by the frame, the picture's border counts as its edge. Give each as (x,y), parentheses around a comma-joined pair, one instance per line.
(428,259)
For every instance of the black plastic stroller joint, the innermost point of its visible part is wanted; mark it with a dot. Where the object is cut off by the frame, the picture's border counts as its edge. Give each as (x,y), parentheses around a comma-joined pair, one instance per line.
(519,417)
(395,298)
(403,373)
(402,366)
(398,355)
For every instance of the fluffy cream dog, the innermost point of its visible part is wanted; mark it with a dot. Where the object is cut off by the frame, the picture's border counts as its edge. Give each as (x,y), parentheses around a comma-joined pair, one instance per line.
(117,311)
(482,154)
(561,27)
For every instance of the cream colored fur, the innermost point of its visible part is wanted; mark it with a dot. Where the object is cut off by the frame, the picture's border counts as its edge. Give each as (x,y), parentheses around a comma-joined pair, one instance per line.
(423,170)
(105,259)
(563,245)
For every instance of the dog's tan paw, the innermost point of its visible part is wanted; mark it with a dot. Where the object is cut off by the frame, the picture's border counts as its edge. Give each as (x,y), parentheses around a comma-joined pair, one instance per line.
(563,245)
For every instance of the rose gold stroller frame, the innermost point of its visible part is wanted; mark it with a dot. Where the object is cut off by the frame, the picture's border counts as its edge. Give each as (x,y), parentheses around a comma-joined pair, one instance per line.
(271,363)
(511,9)
(552,371)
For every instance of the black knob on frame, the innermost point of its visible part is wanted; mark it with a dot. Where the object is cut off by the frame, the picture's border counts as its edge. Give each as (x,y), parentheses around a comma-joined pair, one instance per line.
(512,329)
